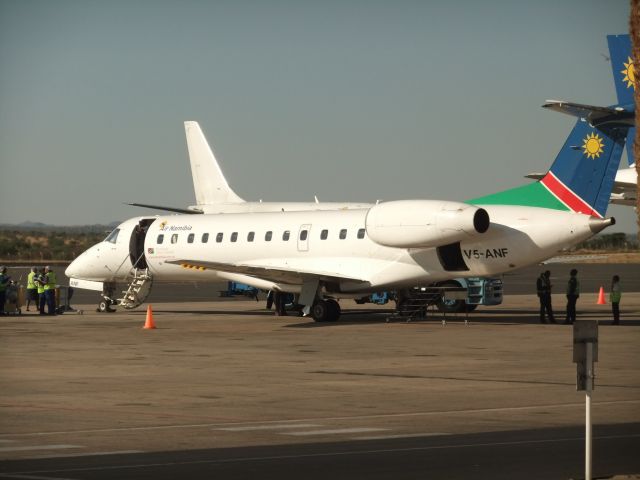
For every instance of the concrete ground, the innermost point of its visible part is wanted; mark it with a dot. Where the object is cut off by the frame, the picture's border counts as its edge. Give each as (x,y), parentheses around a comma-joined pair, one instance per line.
(229,374)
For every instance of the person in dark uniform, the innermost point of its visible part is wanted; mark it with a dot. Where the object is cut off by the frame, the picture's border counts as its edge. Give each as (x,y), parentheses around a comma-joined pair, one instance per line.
(573,292)
(543,286)
(279,302)
(4,281)
(616,295)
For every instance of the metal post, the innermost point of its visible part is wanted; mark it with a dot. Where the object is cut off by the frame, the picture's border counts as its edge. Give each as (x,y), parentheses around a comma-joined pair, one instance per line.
(588,430)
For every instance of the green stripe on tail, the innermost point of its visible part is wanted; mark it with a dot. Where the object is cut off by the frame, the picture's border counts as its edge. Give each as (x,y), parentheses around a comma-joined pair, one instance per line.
(532,195)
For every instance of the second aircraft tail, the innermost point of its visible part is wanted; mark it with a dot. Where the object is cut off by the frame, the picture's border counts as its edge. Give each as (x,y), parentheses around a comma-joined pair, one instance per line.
(209,183)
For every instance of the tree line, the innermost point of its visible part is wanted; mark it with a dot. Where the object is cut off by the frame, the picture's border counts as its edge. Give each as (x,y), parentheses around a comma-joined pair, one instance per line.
(61,244)
(49,245)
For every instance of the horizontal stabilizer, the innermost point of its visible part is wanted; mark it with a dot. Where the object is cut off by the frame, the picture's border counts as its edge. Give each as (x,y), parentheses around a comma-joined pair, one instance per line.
(596,116)
(166,209)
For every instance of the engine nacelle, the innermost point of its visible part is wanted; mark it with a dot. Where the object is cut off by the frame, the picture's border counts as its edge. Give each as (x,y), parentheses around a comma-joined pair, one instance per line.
(424,223)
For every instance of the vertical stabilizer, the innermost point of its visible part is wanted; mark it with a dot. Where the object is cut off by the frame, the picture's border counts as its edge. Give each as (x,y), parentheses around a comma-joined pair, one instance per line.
(209,183)
(584,171)
(623,68)
(624,78)
(582,176)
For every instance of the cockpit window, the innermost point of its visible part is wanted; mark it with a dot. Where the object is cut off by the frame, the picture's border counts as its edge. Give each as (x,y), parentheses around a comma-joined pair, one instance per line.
(113,236)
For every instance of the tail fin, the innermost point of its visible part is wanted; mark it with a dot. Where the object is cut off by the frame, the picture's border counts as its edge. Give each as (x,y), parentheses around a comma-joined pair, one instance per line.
(209,183)
(624,78)
(622,66)
(580,179)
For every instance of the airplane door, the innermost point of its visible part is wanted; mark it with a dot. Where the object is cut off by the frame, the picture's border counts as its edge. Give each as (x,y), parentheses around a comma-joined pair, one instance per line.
(136,243)
(303,237)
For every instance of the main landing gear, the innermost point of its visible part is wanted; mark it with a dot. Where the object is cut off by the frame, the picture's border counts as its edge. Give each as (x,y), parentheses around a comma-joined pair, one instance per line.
(325,310)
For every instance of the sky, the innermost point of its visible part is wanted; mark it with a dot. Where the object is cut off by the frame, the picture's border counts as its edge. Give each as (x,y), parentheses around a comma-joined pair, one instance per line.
(346,100)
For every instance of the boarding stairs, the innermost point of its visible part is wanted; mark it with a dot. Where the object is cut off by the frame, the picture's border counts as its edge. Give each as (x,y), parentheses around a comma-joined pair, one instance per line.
(415,304)
(138,289)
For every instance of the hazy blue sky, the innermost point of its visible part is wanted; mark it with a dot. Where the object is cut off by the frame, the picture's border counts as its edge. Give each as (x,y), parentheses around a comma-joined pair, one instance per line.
(347,100)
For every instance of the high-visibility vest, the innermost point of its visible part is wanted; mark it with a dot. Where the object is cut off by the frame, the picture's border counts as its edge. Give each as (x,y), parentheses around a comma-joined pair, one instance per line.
(50,279)
(30,283)
(616,293)
(577,289)
(40,284)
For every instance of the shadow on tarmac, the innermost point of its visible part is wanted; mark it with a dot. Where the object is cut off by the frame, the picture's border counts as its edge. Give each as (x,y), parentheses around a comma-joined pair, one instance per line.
(521,454)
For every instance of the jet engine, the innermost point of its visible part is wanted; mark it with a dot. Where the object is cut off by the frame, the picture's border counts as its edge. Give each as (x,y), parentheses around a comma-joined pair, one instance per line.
(424,223)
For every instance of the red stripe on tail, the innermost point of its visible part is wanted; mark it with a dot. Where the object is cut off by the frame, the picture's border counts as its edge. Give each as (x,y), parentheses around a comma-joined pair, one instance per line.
(566,196)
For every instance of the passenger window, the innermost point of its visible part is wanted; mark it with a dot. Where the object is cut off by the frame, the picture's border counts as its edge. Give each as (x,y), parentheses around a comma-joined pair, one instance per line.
(174,238)
(324,234)
(250,236)
(285,235)
(113,236)
(234,236)
(190,238)
(267,236)
(219,237)
(205,237)
(361,233)
(343,234)
(303,234)
(160,239)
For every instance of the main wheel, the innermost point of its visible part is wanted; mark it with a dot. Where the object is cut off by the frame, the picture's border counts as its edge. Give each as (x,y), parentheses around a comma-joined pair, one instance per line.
(320,311)
(334,310)
(103,306)
(451,306)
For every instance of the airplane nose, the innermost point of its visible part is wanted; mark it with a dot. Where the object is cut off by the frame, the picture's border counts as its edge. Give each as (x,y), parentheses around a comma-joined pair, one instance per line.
(79,267)
(71,270)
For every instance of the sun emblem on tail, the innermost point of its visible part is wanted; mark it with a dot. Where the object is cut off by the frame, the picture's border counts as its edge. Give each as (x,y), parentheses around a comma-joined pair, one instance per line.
(629,73)
(593,146)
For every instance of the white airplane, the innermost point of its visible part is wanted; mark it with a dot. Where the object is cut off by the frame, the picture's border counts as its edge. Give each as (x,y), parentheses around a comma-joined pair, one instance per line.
(213,193)
(328,254)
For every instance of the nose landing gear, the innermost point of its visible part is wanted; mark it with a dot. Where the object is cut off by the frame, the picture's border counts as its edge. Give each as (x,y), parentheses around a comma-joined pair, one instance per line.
(108,290)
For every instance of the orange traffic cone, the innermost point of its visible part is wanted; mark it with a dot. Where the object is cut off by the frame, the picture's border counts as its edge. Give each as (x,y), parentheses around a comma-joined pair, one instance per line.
(148,324)
(601,300)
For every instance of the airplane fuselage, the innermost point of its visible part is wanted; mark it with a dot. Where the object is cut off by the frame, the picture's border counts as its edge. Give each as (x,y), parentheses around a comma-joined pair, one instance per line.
(336,245)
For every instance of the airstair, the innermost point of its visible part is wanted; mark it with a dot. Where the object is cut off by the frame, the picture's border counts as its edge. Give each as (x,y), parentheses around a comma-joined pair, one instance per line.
(138,289)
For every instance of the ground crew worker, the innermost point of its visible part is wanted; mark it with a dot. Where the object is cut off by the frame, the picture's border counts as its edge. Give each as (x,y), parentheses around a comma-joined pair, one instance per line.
(573,292)
(279,301)
(543,286)
(4,281)
(32,288)
(50,290)
(39,281)
(614,298)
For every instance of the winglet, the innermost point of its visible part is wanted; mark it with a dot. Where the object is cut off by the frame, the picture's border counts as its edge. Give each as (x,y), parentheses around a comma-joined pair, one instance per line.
(209,183)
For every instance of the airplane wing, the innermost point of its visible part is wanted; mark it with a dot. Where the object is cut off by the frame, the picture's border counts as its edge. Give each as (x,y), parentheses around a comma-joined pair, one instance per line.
(275,273)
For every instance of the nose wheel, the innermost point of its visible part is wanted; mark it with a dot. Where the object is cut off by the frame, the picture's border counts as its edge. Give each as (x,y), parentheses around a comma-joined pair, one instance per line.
(105,306)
